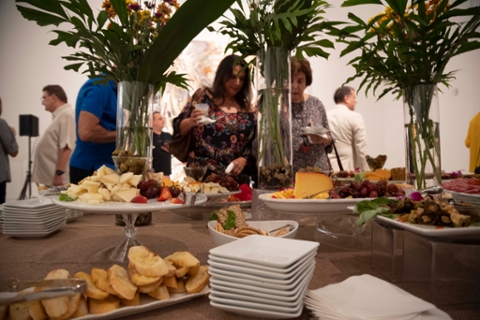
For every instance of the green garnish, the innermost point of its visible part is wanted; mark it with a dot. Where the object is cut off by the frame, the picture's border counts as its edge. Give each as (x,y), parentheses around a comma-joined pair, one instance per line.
(369,209)
(213,216)
(230,222)
(65,197)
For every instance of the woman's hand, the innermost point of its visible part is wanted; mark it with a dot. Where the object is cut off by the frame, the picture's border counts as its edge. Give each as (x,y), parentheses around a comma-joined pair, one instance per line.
(316,139)
(238,165)
(195,117)
(191,122)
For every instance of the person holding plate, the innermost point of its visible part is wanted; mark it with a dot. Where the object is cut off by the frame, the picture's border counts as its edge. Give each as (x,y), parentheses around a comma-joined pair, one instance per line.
(224,133)
(309,150)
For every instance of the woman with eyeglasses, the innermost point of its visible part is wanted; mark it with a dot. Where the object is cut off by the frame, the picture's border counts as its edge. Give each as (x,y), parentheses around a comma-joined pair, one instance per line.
(309,150)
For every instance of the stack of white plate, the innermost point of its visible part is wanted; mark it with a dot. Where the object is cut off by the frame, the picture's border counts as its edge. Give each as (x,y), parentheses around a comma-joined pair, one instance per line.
(32,218)
(259,276)
(1,213)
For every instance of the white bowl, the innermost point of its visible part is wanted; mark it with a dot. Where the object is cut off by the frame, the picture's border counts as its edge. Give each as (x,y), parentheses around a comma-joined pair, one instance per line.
(220,238)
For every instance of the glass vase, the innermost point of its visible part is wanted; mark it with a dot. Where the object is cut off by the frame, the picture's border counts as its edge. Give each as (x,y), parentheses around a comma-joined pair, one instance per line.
(422,135)
(275,119)
(134,142)
(134,128)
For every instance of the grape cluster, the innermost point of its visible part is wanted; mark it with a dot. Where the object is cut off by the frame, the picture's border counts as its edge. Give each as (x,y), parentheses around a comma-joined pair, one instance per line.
(149,189)
(225,181)
(365,189)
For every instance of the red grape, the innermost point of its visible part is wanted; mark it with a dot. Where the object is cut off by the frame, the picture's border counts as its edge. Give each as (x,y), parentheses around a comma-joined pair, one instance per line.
(372,187)
(364,192)
(373,194)
(143,185)
(392,188)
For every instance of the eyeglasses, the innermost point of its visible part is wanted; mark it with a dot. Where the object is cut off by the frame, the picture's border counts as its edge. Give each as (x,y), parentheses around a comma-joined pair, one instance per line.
(44,97)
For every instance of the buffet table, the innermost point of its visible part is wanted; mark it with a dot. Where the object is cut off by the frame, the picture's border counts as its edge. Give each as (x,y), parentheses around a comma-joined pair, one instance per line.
(88,241)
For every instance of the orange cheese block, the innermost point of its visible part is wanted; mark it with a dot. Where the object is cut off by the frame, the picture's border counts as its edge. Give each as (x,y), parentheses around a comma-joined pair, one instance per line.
(308,183)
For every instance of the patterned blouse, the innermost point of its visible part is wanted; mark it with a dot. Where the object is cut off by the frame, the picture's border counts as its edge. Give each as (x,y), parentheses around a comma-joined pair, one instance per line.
(219,143)
(312,113)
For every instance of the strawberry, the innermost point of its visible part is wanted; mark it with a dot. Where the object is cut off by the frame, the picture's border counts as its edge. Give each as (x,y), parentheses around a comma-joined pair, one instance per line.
(165,194)
(139,199)
(177,201)
(245,194)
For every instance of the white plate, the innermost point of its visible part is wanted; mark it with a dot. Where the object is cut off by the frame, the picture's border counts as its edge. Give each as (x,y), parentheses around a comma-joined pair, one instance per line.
(230,287)
(146,304)
(262,313)
(431,231)
(287,285)
(219,238)
(42,219)
(34,211)
(34,227)
(203,211)
(29,234)
(217,196)
(124,207)
(309,206)
(267,251)
(251,296)
(247,297)
(474,199)
(255,306)
(29,203)
(249,270)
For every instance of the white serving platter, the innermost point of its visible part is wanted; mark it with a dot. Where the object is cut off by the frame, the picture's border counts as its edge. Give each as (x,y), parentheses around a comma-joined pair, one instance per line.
(433,231)
(309,206)
(112,207)
(267,251)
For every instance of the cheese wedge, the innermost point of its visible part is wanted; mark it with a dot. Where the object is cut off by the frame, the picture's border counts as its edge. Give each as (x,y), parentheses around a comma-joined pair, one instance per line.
(308,183)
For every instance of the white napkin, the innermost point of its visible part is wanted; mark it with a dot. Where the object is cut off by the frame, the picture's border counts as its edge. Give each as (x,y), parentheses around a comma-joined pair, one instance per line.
(366,297)
(205,120)
(229,168)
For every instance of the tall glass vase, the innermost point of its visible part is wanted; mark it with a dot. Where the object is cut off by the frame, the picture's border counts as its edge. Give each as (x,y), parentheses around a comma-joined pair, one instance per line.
(134,129)
(133,151)
(422,134)
(275,120)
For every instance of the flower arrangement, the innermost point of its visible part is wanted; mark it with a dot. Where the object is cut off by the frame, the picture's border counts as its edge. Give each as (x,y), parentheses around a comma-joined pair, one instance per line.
(127,41)
(270,30)
(405,50)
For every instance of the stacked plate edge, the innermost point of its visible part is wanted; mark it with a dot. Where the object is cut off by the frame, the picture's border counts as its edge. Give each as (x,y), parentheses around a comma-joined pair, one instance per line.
(259,276)
(32,218)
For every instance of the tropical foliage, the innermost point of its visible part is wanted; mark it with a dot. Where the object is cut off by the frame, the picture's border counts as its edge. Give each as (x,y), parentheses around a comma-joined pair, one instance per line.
(127,40)
(410,42)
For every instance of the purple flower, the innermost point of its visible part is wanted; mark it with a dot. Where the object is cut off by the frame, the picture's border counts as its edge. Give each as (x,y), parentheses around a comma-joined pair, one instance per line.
(416,196)
(134,6)
(456,174)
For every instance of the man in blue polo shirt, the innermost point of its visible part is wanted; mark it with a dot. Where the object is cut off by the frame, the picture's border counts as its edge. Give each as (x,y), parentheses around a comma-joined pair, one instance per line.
(96,118)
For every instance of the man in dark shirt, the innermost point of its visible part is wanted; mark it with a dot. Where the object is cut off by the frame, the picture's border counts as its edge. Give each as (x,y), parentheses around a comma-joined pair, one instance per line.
(162,160)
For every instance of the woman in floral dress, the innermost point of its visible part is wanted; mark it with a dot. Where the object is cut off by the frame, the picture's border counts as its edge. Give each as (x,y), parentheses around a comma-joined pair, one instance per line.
(307,111)
(230,138)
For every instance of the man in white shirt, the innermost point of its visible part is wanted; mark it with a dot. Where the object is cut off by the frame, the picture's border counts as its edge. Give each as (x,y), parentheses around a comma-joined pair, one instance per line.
(55,146)
(348,130)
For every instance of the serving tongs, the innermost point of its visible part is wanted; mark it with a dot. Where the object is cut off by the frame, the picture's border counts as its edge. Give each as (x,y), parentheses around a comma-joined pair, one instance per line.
(50,289)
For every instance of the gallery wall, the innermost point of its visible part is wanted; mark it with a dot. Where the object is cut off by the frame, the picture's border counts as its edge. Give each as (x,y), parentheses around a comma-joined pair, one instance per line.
(28,63)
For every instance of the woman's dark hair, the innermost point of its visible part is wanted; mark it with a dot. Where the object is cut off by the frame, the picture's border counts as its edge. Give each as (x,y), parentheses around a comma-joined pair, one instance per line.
(301,66)
(224,73)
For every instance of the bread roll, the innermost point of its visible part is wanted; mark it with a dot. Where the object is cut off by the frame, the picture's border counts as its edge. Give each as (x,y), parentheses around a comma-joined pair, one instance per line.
(118,278)
(92,290)
(100,279)
(196,283)
(147,262)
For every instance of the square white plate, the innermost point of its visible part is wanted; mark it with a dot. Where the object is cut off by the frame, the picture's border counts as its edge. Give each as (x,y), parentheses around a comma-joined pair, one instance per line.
(264,276)
(249,295)
(29,203)
(290,285)
(256,306)
(229,287)
(243,297)
(33,220)
(268,251)
(227,263)
(33,212)
(433,231)
(257,313)
(32,234)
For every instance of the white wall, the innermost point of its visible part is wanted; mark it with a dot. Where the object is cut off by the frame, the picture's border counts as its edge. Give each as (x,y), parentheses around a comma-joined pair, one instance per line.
(27,63)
